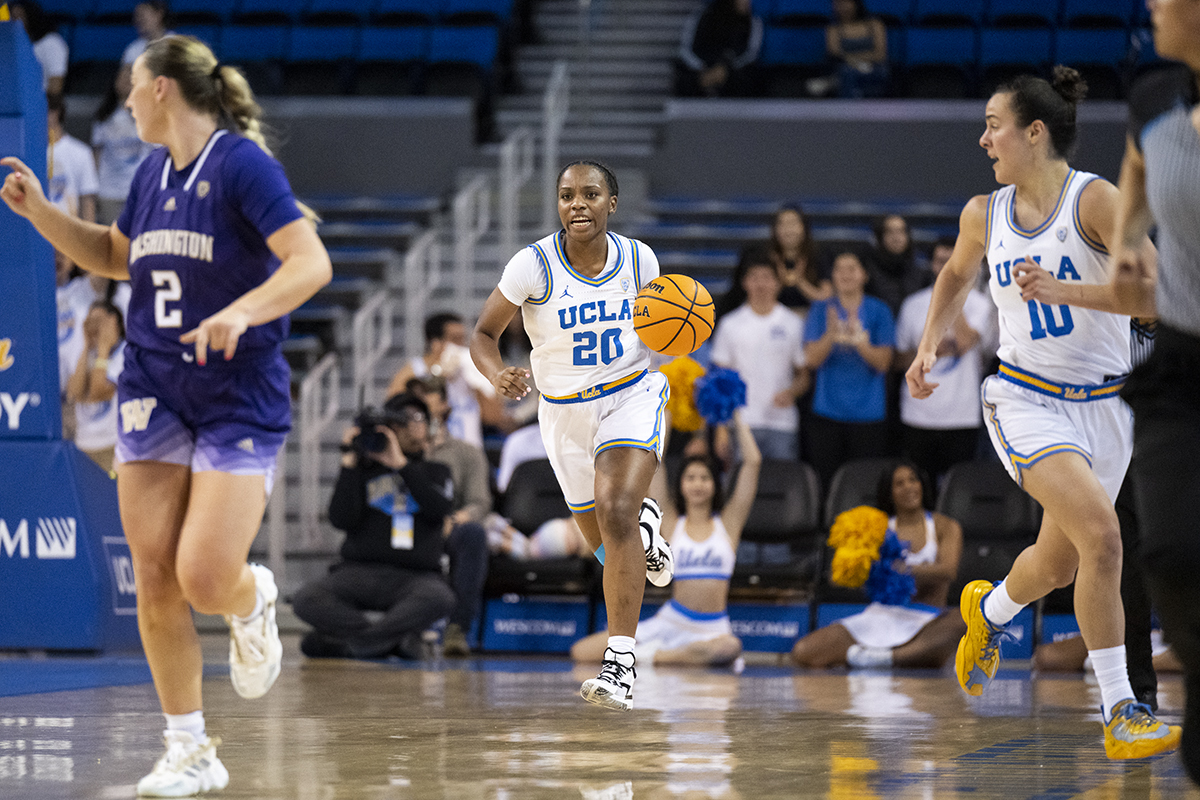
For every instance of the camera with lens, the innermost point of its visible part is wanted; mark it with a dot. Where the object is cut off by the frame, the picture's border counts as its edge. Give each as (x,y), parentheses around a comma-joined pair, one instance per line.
(370,441)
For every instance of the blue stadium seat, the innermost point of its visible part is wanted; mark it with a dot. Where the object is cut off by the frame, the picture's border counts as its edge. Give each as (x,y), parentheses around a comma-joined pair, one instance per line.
(405,12)
(800,12)
(1099,55)
(1098,13)
(1007,52)
(390,60)
(111,11)
(948,12)
(1022,13)
(98,43)
(474,45)
(67,10)
(892,12)
(267,12)
(202,11)
(259,51)
(792,46)
(95,56)
(939,62)
(337,12)
(476,12)
(209,34)
(318,59)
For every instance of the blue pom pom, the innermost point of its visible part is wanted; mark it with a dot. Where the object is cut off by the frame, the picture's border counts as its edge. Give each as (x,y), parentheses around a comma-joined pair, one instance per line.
(718,393)
(886,585)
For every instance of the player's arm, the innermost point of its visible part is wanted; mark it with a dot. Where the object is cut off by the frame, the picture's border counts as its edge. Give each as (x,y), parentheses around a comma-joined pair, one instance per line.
(950,292)
(1098,209)
(485,347)
(304,268)
(95,248)
(737,509)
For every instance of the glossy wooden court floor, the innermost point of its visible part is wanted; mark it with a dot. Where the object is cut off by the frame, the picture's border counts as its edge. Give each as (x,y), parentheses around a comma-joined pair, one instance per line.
(491,728)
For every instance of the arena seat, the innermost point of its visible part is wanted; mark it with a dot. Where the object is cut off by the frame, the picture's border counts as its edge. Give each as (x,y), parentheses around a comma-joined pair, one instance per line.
(319,59)
(476,12)
(800,12)
(1007,52)
(939,62)
(1098,13)
(1022,13)
(854,484)
(337,12)
(893,12)
(781,544)
(111,11)
(998,519)
(95,56)
(790,56)
(1099,55)
(267,12)
(534,497)
(201,12)
(258,50)
(948,12)
(390,60)
(404,12)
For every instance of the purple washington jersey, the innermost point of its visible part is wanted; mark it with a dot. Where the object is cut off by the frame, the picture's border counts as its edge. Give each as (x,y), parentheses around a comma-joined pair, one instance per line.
(197,240)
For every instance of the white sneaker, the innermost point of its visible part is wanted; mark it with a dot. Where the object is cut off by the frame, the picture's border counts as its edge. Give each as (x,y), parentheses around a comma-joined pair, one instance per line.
(255,651)
(660,564)
(187,768)
(613,687)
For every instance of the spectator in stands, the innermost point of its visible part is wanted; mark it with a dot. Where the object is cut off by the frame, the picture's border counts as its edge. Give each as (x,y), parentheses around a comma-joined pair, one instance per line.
(523,444)
(848,343)
(719,52)
(392,503)
(761,341)
(856,46)
(472,397)
(796,257)
(466,539)
(72,183)
(92,387)
(921,633)
(117,149)
(942,430)
(49,47)
(150,19)
(704,530)
(555,538)
(896,268)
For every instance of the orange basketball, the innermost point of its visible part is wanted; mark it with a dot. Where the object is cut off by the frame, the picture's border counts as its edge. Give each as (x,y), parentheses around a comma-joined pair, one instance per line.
(673,314)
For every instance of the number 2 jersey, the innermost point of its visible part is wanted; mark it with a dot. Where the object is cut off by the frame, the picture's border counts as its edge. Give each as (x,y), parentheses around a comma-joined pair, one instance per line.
(581,328)
(1063,343)
(197,241)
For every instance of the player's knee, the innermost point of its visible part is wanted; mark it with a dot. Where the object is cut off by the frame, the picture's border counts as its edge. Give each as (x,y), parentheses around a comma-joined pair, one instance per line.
(1103,553)
(156,582)
(205,590)
(618,515)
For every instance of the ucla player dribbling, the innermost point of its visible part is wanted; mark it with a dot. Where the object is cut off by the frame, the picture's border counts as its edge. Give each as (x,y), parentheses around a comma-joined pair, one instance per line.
(218,251)
(1053,412)
(601,409)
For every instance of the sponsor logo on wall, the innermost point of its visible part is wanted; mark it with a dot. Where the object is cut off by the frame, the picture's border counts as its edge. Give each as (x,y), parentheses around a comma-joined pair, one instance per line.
(11,407)
(54,538)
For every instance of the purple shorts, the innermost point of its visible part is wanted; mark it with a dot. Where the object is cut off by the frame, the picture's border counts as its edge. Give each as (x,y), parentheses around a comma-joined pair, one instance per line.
(224,417)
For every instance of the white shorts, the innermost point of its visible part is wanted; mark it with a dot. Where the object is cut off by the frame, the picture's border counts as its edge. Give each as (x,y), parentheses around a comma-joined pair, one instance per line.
(1026,425)
(575,432)
(674,626)
(880,625)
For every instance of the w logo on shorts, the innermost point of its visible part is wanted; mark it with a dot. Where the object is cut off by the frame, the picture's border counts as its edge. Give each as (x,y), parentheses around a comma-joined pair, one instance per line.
(135,414)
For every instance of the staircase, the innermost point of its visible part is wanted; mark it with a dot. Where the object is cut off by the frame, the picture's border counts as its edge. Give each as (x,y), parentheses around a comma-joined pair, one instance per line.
(620,55)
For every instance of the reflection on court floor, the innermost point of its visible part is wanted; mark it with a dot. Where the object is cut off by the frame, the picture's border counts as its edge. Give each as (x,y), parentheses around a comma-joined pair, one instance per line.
(509,728)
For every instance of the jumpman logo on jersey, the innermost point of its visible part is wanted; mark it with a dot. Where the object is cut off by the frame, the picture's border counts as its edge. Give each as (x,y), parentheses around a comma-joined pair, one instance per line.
(1001,245)
(566,293)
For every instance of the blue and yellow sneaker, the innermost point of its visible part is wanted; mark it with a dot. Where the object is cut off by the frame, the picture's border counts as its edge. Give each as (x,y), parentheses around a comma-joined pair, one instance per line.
(978,655)
(1134,732)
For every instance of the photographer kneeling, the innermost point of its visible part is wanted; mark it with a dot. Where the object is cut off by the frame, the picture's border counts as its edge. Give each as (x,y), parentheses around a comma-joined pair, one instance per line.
(392,504)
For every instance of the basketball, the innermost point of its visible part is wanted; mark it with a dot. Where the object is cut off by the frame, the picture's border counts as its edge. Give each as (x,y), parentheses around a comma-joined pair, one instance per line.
(673,314)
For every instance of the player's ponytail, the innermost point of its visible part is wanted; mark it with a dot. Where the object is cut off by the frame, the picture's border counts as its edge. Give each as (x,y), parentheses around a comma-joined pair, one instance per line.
(213,88)
(1054,103)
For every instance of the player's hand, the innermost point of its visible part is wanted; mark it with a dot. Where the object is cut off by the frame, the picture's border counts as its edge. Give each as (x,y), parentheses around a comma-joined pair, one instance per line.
(22,191)
(511,382)
(221,331)
(1038,284)
(918,387)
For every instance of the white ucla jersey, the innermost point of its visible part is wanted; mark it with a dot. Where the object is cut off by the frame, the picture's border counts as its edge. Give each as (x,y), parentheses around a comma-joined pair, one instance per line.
(581,328)
(1062,343)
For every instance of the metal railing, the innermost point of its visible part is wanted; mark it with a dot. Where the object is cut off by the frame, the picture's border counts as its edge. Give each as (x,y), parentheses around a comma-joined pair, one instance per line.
(422,274)
(370,341)
(320,401)
(472,217)
(517,157)
(556,102)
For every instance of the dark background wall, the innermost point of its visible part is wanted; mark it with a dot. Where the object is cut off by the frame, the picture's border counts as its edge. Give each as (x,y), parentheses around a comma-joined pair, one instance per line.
(836,150)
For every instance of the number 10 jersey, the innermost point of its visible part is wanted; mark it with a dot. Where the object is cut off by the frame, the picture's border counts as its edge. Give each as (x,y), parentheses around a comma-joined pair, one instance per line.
(1064,343)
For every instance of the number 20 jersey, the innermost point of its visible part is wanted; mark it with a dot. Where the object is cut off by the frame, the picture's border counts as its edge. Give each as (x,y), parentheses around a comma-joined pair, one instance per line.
(581,328)
(1060,342)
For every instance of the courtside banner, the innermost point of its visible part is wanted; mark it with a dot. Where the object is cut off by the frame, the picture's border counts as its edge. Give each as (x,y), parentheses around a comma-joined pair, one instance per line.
(29,391)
